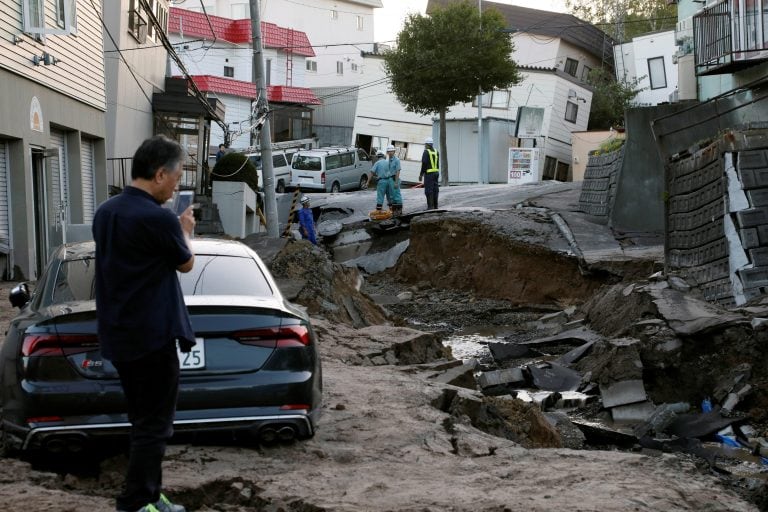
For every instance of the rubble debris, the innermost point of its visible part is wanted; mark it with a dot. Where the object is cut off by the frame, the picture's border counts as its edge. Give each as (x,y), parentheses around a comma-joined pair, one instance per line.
(572,437)
(688,316)
(597,434)
(509,418)
(613,361)
(623,393)
(551,376)
(507,377)
(462,376)
(660,419)
(576,336)
(733,399)
(504,351)
(699,424)
(632,413)
(545,400)
(574,355)
(573,400)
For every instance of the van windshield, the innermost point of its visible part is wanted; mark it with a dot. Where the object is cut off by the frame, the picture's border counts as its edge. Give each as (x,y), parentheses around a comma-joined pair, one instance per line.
(306,163)
(256,161)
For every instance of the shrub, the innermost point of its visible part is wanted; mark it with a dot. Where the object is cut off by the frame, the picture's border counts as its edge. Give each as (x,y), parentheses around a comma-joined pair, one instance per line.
(608,146)
(236,167)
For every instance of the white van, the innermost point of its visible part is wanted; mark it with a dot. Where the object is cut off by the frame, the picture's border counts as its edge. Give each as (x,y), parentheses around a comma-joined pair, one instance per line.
(330,169)
(281,163)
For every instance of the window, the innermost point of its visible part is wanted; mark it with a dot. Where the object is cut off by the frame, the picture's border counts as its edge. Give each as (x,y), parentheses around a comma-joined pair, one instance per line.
(353,66)
(150,27)
(657,73)
(339,67)
(65,16)
(359,23)
(585,73)
(278,161)
(229,71)
(240,11)
(334,14)
(137,24)
(571,66)
(332,162)
(347,159)
(312,65)
(571,111)
(494,99)
(268,71)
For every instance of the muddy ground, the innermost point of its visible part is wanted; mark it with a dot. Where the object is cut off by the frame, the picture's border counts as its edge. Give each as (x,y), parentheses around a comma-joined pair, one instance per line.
(392,436)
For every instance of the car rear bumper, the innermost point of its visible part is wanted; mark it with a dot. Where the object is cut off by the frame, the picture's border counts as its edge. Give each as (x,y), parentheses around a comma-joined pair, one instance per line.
(74,433)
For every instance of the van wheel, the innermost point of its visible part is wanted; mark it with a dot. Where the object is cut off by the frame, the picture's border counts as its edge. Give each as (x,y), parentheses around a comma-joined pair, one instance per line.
(280,187)
(363,182)
(335,187)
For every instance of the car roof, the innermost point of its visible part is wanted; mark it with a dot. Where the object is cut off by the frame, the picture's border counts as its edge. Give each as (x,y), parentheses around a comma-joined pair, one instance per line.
(327,150)
(220,246)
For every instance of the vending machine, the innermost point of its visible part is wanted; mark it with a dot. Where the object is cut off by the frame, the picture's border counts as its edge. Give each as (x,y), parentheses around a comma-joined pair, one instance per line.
(523,166)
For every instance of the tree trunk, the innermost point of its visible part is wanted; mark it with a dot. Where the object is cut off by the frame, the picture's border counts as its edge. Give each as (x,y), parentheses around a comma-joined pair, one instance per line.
(443,149)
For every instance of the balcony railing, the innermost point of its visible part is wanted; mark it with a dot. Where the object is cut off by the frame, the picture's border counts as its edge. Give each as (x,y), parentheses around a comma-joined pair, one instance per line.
(728,41)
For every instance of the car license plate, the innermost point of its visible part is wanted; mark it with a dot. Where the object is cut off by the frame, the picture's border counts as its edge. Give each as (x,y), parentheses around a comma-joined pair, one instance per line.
(194,359)
(307,180)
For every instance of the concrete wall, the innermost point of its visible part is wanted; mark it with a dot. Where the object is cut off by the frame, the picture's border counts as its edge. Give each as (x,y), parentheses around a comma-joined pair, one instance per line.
(639,204)
(237,205)
(584,142)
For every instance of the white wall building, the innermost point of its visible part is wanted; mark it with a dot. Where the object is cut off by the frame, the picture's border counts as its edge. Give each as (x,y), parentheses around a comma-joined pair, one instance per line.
(220,63)
(554,61)
(338,29)
(651,59)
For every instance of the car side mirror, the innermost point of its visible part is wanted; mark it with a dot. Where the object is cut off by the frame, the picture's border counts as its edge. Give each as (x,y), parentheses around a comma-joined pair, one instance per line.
(19,295)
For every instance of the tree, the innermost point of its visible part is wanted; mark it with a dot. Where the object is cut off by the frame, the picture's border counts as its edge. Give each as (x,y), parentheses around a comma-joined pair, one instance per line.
(610,99)
(446,58)
(236,167)
(625,19)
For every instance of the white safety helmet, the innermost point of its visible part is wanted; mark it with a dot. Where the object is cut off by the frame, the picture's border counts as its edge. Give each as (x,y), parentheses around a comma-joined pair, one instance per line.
(429,140)
(380,153)
(304,199)
(390,148)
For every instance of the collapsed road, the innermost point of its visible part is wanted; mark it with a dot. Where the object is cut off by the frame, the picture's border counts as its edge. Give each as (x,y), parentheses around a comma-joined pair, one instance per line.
(484,362)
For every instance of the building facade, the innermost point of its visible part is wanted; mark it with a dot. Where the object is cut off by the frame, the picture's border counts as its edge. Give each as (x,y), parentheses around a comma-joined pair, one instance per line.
(649,59)
(52,128)
(221,65)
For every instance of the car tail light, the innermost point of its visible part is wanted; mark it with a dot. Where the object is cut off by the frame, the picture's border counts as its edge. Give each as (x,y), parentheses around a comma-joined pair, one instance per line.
(58,344)
(275,337)
(294,407)
(322,178)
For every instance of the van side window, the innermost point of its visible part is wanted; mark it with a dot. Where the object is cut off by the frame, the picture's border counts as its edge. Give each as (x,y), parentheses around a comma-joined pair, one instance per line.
(348,159)
(256,161)
(278,161)
(307,163)
(332,162)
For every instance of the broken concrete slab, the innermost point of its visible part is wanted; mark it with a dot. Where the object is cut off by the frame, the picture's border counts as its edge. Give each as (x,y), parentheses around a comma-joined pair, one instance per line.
(554,377)
(462,376)
(509,376)
(576,336)
(571,435)
(574,355)
(504,351)
(598,434)
(699,424)
(623,393)
(574,399)
(660,419)
(687,315)
(632,413)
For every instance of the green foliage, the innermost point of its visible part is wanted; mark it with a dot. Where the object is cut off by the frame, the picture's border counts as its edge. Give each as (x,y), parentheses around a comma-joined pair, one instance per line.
(610,99)
(236,167)
(608,146)
(443,59)
(623,20)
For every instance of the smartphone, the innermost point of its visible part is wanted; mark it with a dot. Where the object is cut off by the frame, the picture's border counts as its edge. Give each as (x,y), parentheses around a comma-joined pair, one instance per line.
(182,200)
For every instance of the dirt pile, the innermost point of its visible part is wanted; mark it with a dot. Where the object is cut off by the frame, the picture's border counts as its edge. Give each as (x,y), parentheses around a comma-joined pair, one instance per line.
(325,288)
(462,252)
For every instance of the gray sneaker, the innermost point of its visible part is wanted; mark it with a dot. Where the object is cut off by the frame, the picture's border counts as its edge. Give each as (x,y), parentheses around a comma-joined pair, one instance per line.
(165,505)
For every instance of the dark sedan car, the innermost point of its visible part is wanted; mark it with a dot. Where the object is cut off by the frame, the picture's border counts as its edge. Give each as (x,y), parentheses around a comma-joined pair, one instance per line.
(255,366)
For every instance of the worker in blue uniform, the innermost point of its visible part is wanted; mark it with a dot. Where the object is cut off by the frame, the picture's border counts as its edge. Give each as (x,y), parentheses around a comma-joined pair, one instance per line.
(307,221)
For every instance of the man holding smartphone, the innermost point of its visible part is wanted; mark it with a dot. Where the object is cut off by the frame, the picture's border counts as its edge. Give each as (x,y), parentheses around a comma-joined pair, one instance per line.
(141,312)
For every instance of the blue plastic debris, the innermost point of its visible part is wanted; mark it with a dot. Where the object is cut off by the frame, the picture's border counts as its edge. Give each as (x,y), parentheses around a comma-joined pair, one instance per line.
(706,405)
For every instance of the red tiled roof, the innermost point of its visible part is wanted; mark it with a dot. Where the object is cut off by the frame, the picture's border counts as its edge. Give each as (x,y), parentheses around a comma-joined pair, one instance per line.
(275,93)
(194,24)
(287,94)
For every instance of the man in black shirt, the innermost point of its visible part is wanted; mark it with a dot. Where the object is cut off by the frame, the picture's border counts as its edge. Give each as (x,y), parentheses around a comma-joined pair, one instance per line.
(141,312)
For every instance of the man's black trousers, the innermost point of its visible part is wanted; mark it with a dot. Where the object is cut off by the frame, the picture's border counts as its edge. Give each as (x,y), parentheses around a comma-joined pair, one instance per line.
(431,189)
(151,386)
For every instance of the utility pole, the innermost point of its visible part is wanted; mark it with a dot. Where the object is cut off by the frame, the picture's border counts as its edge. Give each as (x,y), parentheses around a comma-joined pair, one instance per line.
(480,178)
(259,78)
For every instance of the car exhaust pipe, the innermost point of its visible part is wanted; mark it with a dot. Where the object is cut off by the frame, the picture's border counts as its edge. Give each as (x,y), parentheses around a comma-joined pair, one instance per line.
(268,434)
(286,434)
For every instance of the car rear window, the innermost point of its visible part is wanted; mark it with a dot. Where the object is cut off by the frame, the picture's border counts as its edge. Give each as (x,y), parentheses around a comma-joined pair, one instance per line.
(224,275)
(306,163)
(211,275)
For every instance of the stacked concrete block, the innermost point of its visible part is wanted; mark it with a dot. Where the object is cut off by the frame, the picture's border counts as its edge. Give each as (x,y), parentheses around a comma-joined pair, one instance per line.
(598,190)
(695,237)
